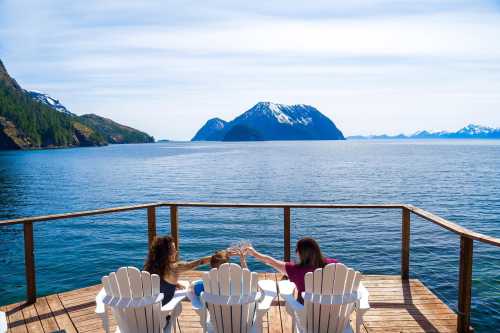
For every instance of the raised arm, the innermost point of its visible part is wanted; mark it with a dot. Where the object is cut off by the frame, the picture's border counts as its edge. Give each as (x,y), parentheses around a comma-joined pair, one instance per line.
(189,265)
(243,259)
(268,260)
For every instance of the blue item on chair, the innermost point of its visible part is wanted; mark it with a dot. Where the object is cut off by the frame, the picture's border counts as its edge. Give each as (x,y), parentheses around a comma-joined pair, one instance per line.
(198,287)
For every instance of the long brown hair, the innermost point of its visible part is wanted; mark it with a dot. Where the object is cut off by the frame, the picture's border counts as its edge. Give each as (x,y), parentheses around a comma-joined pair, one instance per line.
(309,253)
(160,252)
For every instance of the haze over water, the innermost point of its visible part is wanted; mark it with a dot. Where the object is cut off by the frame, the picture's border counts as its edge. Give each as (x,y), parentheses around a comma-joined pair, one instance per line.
(458,180)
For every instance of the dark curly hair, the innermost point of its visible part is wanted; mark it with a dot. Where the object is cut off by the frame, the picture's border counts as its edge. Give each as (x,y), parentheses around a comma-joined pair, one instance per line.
(160,252)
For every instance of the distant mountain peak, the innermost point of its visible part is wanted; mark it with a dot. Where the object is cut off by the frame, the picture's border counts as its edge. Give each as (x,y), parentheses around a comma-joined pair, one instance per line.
(284,114)
(475,129)
(471,131)
(211,130)
(216,123)
(49,101)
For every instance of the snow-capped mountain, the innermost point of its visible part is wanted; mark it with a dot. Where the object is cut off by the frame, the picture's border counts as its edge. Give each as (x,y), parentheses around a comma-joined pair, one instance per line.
(271,121)
(470,131)
(49,101)
(478,131)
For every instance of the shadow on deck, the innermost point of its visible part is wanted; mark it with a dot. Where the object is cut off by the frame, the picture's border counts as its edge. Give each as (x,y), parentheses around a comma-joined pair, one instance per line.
(396,306)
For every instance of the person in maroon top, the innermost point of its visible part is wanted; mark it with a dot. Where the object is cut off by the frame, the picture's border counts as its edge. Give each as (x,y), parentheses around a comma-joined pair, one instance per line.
(309,258)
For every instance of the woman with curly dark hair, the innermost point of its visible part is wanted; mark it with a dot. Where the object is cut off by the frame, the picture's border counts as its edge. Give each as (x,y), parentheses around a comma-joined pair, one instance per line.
(162,260)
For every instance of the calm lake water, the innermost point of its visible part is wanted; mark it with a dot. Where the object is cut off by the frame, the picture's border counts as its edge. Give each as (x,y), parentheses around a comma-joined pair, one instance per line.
(458,180)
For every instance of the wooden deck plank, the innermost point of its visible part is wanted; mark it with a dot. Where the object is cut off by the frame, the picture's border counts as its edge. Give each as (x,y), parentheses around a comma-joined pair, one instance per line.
(396,306)
(31,319)
(61,316)
(47,319)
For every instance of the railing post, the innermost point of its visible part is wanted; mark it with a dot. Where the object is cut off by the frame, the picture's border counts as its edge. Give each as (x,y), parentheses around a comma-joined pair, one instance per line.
(29,260)
(174,225)
(151,225)
(465,285)
(405,245)
(286,233)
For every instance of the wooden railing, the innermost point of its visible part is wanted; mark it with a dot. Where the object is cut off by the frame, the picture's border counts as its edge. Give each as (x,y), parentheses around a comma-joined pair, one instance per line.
(466,238)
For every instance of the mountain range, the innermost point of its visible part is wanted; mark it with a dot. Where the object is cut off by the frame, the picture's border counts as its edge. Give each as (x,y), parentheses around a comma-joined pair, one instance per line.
(271,121)
(470,131)
(31,119)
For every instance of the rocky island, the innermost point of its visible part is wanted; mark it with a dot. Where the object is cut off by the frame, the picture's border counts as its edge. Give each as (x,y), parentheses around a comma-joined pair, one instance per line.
(271,121)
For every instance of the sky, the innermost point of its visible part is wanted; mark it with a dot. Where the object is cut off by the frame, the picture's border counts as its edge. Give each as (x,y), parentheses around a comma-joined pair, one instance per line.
(166,67)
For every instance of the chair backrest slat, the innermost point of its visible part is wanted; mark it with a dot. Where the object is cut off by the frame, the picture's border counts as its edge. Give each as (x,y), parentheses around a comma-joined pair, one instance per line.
(326,289)
(246,289)
(236,281)
(225,290)
(317,281)
(338,289)
(214,281)
(309,308)
(147,292)
(135,280)
(159,320)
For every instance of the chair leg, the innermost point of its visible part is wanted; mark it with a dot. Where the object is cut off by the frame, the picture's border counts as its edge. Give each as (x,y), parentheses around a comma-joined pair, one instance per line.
(104,319)
(359,320)
(258,324)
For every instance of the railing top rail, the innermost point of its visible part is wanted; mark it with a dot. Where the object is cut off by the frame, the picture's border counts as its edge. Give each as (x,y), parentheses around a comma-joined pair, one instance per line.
(77,214)
(192,204)
(281,205)
(455,228)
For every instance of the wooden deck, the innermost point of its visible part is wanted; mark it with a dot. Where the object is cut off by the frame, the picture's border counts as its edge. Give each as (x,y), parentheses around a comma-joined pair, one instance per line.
(396,306)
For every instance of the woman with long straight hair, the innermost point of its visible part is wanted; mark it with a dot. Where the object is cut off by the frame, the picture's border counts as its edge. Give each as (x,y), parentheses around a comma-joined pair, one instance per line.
(309,258)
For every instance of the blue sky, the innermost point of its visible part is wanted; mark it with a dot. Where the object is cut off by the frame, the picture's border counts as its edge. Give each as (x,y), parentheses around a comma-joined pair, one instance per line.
(167,66)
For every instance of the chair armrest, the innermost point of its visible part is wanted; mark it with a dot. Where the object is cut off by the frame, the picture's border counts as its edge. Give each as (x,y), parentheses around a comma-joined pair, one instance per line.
(364,305)
(286,287)
(3,323)
(292,303)
(270,292)
(100,309)
(99,304)
(178,297)
(268,288)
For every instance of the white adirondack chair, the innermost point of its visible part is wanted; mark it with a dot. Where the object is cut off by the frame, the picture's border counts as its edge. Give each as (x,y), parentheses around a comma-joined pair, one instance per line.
(135,301)
(231,302)
(332,294)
